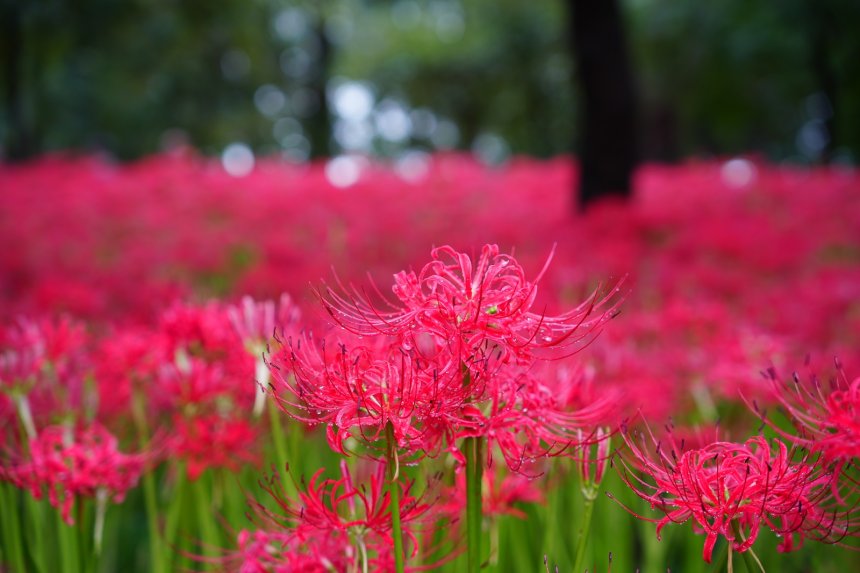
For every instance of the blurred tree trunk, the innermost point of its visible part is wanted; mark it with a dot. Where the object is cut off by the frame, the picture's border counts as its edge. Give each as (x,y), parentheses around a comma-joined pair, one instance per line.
(319,123)
(608,114)
(19,142)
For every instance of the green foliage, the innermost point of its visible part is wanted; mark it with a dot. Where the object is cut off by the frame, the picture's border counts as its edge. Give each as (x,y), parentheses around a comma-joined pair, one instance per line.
(128,77)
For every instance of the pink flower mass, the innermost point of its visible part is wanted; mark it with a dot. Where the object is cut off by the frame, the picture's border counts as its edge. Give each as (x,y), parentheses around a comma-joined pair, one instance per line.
(479,389)
(67,464)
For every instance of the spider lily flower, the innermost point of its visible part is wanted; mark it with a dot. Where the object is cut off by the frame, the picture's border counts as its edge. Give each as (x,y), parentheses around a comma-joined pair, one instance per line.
(734,490)
(591,469)
(261,551)
(472,309)
(68,464)
(502,493)
(22,357)
(529,416)
(826,416)
(42,365)
(346,512)
(453,359)
(256,322)
(212,440)
(358,392)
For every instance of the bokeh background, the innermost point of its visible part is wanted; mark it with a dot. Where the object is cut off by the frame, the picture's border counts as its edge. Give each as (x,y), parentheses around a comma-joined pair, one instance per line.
(305,78)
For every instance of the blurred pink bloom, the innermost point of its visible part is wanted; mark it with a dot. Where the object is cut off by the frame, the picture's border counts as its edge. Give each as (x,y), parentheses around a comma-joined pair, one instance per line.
(69,464)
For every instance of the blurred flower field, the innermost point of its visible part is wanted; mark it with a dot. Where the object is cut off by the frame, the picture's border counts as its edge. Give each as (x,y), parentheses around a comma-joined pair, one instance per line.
(430,366)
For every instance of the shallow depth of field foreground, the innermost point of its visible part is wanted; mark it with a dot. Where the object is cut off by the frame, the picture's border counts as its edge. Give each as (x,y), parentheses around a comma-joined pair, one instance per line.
(447,371)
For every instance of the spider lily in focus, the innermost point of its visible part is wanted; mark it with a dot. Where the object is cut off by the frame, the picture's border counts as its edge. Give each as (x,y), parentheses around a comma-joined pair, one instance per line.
(733,490)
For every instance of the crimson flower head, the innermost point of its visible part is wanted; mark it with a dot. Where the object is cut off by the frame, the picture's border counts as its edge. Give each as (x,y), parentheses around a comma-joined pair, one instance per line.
(256,321)
(826,416)
(340,510)
(212,440)
(473,309)
(22,355)
(69,464)
(733,490)
(357,392)
(262,551)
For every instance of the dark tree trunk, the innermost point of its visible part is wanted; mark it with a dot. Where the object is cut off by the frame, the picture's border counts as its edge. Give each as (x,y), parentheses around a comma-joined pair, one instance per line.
(19,142)
(608,115)
(319,124)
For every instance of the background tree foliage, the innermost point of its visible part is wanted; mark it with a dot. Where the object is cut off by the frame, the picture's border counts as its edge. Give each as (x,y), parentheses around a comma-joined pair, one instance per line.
(494,75)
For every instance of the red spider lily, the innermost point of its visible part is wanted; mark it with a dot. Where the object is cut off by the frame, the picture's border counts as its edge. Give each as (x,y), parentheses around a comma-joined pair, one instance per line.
(212,440)
(263,551)
(255,322)
(204,333)
(598,462)
(338,509)
(43,366)
(69,464)
(530,416)
(192,385)
(358,392)
(473,310)
(827,417)
(127,360)
(501,493)
(734,489)
(23,356)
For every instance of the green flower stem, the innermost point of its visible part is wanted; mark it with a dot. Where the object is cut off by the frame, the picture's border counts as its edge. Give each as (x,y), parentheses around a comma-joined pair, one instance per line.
(68,545)
(585,528)
(34,524)
(209,538)
(394,493)
(12,550)
(84,529)
(279,440)
(174,513)
(474,473)
(751,560)
(156,555)
(99,525)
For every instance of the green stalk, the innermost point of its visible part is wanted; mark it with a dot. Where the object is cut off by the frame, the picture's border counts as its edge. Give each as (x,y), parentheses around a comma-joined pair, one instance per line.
(99,525)
(156,555)
(34,524)
(474,474)
(751,560)
(12,545)
(68,542)
(174,514)
(394,493)
(588,509)
(209,541)
(277,430)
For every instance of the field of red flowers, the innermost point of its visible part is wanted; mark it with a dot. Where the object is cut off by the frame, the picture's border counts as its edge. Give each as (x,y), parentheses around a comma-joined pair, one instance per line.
(435,368)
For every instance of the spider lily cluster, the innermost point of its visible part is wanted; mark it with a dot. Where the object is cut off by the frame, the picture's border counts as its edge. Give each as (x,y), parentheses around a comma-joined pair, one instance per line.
(412,427)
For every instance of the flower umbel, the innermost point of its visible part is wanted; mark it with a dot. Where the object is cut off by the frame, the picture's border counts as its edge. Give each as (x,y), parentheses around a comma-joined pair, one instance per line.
(734,490)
